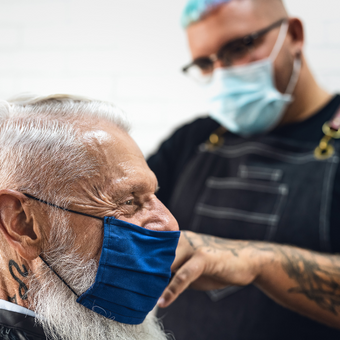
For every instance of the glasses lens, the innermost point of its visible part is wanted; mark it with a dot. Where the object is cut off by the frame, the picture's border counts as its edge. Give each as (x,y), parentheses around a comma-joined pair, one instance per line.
(201,70)
(196,73)
(204,64)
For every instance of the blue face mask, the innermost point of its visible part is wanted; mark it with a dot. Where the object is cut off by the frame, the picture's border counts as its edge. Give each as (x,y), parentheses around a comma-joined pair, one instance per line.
(244,99)
(133,271)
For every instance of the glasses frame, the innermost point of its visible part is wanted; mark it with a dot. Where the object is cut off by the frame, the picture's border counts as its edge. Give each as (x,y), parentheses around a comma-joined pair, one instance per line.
(247,40)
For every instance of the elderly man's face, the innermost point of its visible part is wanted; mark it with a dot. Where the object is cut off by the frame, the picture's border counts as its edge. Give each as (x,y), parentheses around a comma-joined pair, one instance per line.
(128,194)
(235,20)
(126,190)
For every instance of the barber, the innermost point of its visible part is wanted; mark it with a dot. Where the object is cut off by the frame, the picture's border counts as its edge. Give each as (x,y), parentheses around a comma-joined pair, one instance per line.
(263,167)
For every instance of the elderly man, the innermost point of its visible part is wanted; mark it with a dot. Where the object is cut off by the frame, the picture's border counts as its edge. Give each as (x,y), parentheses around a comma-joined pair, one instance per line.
(262,167)
(86,247)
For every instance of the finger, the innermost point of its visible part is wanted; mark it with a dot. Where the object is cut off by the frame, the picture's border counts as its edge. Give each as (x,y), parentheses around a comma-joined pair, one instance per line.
(187,274)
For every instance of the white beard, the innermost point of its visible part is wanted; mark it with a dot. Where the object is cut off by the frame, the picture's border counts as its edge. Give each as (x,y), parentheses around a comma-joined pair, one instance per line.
(63,318)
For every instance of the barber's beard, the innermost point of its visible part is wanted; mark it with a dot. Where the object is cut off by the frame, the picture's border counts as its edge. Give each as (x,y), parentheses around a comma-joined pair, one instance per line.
(62,317)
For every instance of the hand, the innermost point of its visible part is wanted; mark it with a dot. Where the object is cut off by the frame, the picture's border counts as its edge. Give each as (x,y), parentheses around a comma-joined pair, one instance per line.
(206,262)
(302,280)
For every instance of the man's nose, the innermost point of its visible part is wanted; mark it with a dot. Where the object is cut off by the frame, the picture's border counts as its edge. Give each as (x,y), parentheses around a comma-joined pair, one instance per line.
(172,224)
(160,218)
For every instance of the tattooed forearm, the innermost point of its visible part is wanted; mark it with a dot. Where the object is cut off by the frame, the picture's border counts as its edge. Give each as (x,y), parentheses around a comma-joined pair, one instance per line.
(319,283)
(305,281)
(22,287)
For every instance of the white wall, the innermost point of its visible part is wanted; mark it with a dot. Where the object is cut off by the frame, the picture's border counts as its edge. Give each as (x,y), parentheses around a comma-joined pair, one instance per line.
(130,52)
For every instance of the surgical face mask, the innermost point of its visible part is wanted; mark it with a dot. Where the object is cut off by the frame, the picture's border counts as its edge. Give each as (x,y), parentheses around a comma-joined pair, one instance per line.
(244,98)
(133,271)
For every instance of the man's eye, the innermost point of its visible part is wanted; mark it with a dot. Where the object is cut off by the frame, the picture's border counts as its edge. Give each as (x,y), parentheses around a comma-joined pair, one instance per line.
(129,202)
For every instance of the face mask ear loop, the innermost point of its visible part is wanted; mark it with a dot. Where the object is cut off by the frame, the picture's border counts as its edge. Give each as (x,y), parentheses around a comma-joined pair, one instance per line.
(279,41)
(295,75)
(61,208)
(58,276)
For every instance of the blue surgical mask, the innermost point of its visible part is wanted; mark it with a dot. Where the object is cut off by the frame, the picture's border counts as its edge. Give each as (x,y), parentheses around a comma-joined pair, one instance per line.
(244,98)
(133,271)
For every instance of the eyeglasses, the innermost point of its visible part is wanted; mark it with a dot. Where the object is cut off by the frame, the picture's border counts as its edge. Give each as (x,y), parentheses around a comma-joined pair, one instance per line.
(201,69)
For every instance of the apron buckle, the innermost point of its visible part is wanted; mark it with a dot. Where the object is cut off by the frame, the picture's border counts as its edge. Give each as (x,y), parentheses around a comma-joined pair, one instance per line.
(331,130)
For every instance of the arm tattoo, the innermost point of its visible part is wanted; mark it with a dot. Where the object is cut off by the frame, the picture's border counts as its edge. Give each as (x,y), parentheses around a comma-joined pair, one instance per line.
(319,283)
(24,273)
(189,240)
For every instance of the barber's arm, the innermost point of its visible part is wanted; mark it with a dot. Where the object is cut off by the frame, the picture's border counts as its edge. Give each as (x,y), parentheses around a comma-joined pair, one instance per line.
(302,280)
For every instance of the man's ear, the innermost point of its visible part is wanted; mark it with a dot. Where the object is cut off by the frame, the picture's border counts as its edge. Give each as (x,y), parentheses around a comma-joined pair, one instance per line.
(296,33)
(18,226)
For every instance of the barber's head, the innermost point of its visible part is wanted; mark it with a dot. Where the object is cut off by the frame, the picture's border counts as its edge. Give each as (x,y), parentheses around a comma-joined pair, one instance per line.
(67,153)
(229,38)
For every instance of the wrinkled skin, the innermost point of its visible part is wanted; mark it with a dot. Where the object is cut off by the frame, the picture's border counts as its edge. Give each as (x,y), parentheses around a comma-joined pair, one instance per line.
(126,191)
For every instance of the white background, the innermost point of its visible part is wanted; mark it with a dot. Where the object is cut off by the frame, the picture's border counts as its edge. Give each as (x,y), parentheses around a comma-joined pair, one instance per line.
(130,52)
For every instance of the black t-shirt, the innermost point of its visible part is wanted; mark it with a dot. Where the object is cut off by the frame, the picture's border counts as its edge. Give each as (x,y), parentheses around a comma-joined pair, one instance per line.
(18,326)
(173,155)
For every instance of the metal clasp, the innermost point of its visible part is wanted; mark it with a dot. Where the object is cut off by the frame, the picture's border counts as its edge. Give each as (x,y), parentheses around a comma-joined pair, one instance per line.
(325,149)
(216,138)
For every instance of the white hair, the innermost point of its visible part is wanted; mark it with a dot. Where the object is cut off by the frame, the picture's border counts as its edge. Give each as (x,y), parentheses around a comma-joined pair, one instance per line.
(40,143)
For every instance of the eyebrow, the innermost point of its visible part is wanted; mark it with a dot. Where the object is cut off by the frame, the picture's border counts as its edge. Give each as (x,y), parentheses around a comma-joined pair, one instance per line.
(254,35)
(140,187)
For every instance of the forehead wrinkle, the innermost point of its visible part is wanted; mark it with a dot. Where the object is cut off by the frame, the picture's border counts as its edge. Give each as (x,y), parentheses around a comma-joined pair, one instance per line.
(123,167)
(135,185)
(97,142)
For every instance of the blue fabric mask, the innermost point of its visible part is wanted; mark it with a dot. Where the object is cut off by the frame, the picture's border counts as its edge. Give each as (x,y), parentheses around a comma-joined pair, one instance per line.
(244,98)
(133,271)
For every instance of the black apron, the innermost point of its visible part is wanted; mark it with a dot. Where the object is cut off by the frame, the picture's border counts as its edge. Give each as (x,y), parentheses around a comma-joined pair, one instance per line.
(261,188)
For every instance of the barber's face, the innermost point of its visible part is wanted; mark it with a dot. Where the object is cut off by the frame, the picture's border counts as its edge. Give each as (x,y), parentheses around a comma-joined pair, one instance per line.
(128,193)
(236,20)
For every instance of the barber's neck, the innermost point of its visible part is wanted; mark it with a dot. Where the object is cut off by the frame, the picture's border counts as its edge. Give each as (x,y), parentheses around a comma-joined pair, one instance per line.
(309,97)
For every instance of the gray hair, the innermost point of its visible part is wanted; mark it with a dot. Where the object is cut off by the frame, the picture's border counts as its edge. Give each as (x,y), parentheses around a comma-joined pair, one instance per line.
(40,143)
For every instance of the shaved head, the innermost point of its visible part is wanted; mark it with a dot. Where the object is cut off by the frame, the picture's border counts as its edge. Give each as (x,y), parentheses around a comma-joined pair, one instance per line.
(272,9)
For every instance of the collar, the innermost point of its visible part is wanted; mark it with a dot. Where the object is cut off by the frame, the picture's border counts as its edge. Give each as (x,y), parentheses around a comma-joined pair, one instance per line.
(12,307)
